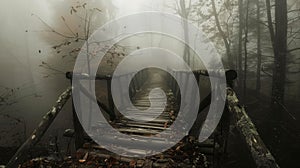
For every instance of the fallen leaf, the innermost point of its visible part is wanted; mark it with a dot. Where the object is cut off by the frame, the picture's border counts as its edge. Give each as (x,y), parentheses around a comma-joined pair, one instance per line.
(84,158)
(166,124)
(132,163)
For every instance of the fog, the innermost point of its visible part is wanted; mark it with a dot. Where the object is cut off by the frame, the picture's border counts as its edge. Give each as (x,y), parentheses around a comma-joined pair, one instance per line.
(40,41)
(27,41)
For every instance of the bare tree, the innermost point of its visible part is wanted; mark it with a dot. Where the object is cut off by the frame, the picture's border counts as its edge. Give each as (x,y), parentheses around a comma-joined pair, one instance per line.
(183,9)
(258,69)
(240,42)
(223,35)
(246,51)
(280,44)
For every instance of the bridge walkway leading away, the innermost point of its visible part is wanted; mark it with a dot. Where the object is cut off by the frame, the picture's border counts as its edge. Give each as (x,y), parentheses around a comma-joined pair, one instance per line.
(186,153)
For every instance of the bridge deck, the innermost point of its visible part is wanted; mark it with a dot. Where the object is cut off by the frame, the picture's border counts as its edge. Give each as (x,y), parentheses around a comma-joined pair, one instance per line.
(185,154)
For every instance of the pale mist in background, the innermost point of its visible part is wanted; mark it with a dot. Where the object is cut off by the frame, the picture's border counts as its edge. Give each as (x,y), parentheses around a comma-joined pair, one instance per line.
(26,42)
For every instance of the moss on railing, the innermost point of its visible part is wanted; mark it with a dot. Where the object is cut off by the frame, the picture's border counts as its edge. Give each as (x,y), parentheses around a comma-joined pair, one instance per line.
(21,155)
(260,153)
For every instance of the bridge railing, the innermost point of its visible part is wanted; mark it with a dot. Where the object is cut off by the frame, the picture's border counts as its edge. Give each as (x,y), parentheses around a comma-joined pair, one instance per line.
(260,154)
(110,109)
(21,155)
(233,111)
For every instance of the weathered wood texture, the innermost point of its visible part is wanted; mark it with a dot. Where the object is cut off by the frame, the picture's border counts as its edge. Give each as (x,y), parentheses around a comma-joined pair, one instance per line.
(163,120)
(260,153)
(21,155)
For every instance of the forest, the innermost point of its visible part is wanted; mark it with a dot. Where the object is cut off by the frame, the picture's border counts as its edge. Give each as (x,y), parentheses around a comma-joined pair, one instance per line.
(150,83)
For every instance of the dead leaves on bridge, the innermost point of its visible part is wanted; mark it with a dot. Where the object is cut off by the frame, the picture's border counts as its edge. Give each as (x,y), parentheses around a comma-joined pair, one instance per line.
(185,154)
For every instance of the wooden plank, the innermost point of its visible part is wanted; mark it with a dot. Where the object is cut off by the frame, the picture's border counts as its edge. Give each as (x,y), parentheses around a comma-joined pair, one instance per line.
(154,124)
(139,131)
(156,121)
(151,115)
(161,127)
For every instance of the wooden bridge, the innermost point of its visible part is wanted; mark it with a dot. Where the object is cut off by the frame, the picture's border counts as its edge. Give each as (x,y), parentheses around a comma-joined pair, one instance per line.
(187,153)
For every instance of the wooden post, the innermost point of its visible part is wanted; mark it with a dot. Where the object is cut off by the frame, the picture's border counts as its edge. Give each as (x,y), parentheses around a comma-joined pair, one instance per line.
(121,92)
(21,155)
(225,129)
(78,129)
(135,85)
(79,132)
(110,101)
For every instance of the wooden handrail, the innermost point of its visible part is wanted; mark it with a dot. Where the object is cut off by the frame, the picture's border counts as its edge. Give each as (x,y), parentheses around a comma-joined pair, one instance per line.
(38,133)
(260,153)
(82,76)
(229,74)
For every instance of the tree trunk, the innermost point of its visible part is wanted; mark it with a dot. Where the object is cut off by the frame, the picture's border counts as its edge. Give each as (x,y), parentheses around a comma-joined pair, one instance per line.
(225,39)
(246,52)
(184,14)
(258,84)
(270,24)
(279,71)
(240,45)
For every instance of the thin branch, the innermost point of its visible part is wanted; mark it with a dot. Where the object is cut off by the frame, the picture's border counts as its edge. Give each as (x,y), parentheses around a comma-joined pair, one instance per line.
(265,72)
(270,24)
(294,10)
(294,49)
(52,29)
(47,66)
(68,26)
(286,110)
